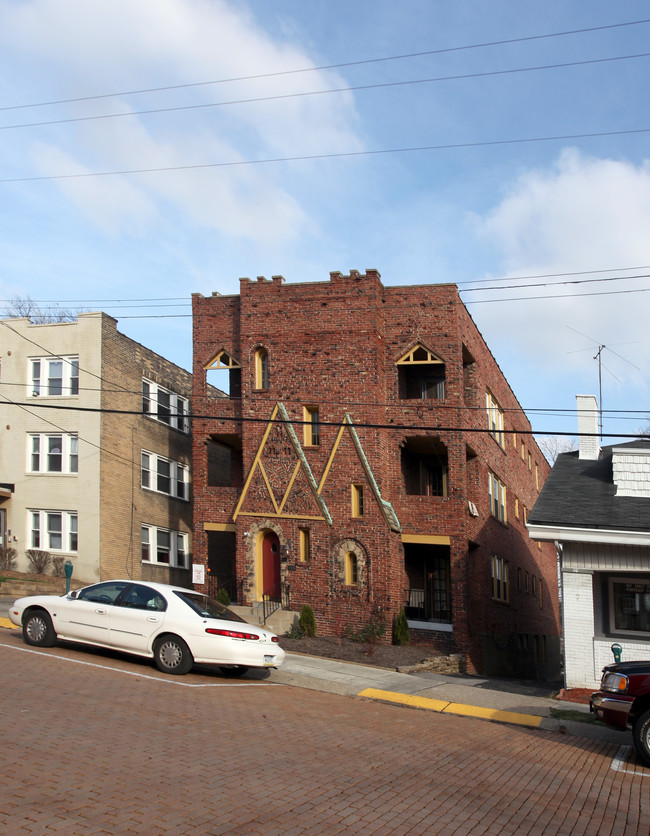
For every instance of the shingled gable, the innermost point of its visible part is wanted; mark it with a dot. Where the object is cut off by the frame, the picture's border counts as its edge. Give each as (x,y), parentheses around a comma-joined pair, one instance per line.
(581,495)
(280,482)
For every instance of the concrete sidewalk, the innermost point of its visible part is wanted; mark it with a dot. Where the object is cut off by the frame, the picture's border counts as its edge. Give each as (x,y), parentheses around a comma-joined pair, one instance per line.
(490,699)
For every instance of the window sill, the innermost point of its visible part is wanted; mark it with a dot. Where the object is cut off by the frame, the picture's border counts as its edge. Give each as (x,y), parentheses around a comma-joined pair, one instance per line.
(438,626)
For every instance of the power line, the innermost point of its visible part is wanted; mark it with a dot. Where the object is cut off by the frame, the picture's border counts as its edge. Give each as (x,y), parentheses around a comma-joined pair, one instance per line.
(328,156)
(184,299)
(322,423)
(340,65)
(304,94)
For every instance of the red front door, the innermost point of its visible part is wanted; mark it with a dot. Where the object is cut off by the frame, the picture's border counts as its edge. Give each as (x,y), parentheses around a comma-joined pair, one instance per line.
(271,565)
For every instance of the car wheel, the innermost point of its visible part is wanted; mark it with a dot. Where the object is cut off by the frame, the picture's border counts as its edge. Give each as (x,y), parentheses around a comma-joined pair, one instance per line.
(233,670)
(38,629)
(641,736)
(172,655)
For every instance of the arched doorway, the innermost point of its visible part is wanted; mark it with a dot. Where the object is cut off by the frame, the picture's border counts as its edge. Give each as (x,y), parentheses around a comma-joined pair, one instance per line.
(271,565)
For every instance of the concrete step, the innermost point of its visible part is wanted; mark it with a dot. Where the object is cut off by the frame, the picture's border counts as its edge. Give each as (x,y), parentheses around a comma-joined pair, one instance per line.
(279,622)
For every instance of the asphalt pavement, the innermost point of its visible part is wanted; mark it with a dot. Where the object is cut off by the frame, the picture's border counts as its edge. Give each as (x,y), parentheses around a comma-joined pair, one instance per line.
(497,700)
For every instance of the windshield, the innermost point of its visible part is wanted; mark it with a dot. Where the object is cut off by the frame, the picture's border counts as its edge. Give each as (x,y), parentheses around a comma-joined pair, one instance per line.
(207,607)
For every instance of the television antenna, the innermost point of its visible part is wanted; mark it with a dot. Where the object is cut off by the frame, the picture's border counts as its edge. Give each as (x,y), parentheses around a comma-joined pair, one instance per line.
(599,357)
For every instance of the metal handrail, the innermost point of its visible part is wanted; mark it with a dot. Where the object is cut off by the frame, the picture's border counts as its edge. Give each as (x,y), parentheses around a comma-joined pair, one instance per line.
(275,598)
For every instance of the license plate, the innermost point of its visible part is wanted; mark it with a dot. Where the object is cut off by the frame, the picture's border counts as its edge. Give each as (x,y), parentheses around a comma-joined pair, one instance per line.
(269,660)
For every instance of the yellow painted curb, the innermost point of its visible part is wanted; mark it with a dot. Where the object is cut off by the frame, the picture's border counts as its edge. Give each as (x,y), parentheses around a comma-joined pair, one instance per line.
(531,720)
(4,622)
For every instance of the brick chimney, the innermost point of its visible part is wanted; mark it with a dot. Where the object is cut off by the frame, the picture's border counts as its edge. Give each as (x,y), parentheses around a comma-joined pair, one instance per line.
(588,446)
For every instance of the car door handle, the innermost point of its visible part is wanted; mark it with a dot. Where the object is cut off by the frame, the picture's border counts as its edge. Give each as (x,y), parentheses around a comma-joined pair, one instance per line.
(153,618)
(101,612)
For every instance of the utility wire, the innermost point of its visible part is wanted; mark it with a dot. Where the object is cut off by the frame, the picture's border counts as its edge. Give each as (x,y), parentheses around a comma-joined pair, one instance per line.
(335,424)
(328,156)
(337,66)
(184,300)
(304,94)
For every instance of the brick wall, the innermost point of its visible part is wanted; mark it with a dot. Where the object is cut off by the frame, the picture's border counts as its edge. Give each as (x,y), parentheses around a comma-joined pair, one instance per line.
(336,345)
(125,505)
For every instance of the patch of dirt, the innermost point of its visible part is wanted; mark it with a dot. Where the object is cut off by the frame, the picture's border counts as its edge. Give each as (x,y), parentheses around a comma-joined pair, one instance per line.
(381,655)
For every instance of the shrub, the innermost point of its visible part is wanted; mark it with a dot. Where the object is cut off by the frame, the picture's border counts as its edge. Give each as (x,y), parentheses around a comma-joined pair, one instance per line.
(307,621)
(39,561)
(58,566)
(401,632)
(371,632)
(8,557)
(223,597)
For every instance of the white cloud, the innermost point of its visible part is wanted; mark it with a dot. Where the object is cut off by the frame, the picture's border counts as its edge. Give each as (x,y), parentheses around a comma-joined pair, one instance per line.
(582,214)
(111,45)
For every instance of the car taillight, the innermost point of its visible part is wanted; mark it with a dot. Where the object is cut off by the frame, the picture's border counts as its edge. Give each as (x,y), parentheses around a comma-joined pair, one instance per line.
(231,634)
(615,683)
(275,639)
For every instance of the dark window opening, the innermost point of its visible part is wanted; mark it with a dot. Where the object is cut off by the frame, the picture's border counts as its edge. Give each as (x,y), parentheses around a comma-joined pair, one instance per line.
(224,462)
(424,467)
(428,569)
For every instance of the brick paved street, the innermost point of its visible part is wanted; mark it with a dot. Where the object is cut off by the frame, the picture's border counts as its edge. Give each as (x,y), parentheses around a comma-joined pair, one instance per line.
(96,744)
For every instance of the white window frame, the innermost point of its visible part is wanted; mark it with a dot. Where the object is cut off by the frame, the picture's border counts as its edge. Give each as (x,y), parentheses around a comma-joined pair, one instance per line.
(42,377)
(500,579)
(39,447)
(642,587)
(165,406)
(497,493)
(156,541)
(153,466)
(494,418)
(43,533)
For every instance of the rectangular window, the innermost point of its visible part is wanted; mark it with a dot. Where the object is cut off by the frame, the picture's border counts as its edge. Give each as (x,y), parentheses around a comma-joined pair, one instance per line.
(312,426)
(500,585)
(517,507)
(494,417)
(164,476)
(497,491)
(536,475)
(629,605)
(52,453)
(305,545)
(433,389)
(53,377)
(56,531)
(145,472)
(357,500)
(165,547)
(165,406)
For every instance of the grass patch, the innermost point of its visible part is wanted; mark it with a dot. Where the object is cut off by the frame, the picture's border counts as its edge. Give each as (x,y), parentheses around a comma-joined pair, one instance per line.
(573,716)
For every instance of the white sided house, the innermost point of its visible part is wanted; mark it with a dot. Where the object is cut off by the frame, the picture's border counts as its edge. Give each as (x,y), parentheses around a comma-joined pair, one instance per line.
(595,505)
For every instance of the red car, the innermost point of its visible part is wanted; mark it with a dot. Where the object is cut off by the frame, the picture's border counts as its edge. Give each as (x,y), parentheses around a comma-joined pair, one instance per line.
(624,700)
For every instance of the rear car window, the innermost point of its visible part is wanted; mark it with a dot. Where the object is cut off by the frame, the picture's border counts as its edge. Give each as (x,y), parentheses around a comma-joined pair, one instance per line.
(207,607)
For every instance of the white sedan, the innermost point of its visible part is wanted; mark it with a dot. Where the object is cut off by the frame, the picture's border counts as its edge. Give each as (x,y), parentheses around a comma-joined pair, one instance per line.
(175,626)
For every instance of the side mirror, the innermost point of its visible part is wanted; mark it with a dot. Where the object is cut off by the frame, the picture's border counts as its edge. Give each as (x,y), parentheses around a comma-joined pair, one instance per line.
(73,594)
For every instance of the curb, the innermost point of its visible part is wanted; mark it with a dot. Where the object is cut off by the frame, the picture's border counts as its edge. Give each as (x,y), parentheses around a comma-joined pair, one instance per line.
(530,720)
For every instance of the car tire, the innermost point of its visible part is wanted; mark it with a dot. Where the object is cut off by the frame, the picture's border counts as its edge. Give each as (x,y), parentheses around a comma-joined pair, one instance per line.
(38,629)
(641,736)
(233,670)
(172,655)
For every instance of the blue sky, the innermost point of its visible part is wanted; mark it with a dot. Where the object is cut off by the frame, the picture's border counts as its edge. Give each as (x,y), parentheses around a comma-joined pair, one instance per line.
(484,211)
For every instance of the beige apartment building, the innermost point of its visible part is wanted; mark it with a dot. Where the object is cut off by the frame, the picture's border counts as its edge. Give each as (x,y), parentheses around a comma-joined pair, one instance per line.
(95,451)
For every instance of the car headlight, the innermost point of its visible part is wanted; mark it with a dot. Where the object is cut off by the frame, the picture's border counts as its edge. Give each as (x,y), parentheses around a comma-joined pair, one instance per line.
(616,683)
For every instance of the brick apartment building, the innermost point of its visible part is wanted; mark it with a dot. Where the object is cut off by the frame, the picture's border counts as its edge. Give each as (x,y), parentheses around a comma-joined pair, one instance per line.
(95,451)
(371,455)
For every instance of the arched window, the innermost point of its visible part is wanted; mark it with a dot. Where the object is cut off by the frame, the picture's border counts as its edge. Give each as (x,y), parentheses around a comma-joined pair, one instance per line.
(261,369)
(351,569)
